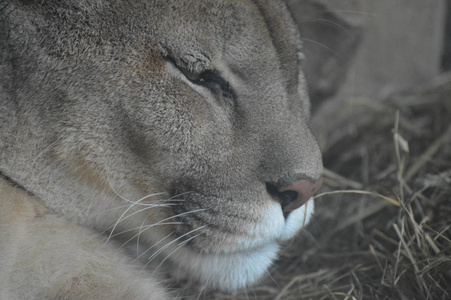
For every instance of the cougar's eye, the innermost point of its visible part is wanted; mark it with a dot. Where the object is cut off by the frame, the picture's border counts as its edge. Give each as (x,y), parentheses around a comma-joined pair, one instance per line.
(209,79)
(214,82)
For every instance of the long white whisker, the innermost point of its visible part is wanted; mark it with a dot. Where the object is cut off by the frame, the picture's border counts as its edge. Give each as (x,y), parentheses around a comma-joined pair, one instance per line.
(174,216)
(147,227)
(147,206)
(138,202)
(183,214)
(128,200)
(113,189)
(39,174)
(181,194)
(203,289)
(131,206)
(120,207)
(335,24)
(322,46)
(143,209)
(139,235)
(272,279)
(158,223)
(44,151)
(158,202)
(167,245)
(154,245)
(117,222)
(172,242)
(181,244)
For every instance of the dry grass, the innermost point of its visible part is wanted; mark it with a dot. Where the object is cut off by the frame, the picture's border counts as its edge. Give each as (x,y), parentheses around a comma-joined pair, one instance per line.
(388,235)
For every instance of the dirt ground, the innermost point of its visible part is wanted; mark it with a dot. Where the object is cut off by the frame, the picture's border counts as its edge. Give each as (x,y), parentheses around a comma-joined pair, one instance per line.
(382,227)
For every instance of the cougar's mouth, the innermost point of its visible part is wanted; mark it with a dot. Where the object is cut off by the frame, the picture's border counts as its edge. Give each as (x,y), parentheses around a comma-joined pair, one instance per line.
(231,248)
(225,218)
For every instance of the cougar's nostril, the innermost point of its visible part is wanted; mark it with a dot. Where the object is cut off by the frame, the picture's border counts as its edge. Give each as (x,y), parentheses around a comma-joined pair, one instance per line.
(295,195)
(284,197)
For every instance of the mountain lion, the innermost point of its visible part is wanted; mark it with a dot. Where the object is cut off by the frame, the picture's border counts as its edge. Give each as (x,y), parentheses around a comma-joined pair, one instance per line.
(178,126)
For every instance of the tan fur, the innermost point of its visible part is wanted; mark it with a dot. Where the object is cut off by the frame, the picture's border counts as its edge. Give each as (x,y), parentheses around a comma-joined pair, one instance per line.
(158,122)
(45,257)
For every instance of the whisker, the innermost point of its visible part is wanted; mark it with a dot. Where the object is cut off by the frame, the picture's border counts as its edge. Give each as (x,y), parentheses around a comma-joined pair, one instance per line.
(180,245)
(145,204)
(128,200)
(154,245)
(159,222)
(272,279)
(181,194)
(325,21)
(172,242)
(355,12)
(117,222)
(109,210)
(39,174)
(323,46)
(139,235)
(143,209)
(151,225)
(44,151)
(127,205)
(138,202)
(203,289)
(147,227)
(121,218)
(245,293)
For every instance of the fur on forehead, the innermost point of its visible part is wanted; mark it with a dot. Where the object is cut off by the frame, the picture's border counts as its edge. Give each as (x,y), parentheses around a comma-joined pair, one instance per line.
(227,25)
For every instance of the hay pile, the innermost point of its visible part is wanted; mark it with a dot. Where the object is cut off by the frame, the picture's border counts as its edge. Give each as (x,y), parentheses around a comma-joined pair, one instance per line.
(361,245)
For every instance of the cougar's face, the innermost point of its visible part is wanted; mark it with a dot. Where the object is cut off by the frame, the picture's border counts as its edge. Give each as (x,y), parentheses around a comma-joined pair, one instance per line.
(202,102)
(233,141)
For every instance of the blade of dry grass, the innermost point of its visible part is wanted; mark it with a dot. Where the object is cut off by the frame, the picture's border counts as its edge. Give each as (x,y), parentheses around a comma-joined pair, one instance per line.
(429,153)
(298,279)
(392,201)
(335,180)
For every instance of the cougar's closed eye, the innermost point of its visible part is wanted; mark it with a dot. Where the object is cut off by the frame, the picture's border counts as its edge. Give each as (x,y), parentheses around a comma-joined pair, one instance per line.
(214,81)
(209,79)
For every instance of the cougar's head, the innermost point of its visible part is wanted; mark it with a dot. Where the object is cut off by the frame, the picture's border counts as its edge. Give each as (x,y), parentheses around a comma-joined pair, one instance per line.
(193,115)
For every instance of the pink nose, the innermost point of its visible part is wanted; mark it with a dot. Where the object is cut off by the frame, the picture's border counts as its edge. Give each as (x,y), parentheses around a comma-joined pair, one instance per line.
(298,193)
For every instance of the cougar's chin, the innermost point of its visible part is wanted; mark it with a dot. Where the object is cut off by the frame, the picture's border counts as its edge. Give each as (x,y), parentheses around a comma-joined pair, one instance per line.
(225,272)
(231,270)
